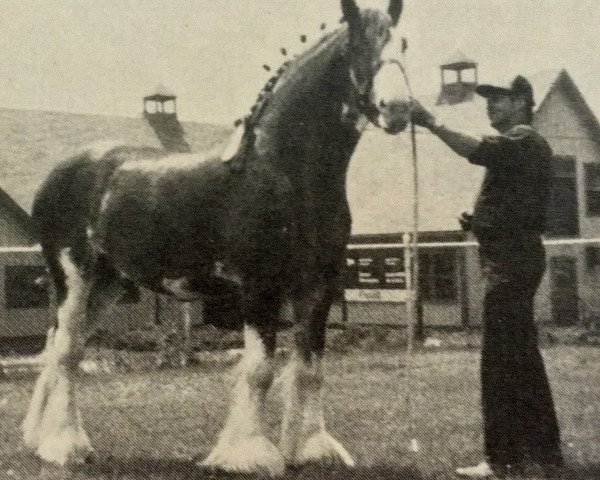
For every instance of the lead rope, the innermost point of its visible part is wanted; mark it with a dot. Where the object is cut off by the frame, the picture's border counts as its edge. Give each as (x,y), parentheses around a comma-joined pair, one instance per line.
(413,288)
(411,262)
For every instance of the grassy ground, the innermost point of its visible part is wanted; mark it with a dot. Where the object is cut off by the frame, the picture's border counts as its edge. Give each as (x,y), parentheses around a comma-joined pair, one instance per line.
(150,424)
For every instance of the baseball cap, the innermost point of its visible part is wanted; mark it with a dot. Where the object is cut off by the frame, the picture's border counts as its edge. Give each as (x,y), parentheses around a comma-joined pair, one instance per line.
(519,86)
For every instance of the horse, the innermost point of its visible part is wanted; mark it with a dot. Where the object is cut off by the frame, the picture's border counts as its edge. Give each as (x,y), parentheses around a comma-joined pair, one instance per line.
(267,219)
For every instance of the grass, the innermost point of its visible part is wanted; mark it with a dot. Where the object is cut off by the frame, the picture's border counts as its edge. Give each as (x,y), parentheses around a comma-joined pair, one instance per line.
(151,424)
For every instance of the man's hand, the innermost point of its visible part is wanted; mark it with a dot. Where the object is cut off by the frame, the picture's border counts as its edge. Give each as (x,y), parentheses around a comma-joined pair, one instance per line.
(462,144)
(421,116)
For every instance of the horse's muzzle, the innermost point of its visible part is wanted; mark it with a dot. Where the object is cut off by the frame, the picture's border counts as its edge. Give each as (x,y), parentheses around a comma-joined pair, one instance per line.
(396,126)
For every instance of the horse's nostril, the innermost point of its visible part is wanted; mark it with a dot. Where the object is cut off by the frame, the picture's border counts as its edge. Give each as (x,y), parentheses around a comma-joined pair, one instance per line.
(382,103)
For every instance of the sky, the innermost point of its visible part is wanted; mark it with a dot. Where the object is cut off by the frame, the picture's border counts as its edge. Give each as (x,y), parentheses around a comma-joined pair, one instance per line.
(104,56)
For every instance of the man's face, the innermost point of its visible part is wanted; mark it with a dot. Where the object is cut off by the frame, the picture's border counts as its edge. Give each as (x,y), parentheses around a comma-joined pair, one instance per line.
(502,109)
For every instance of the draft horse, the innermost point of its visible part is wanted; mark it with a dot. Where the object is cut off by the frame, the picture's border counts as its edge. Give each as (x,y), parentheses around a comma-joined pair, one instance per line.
(267,218)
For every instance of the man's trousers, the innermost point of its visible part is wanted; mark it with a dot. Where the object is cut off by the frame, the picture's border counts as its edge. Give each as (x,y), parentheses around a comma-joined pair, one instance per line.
(520,424)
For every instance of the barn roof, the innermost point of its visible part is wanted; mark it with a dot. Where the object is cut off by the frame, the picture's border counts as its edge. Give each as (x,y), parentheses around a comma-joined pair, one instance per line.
(32,142)
(380,187)
(458,60)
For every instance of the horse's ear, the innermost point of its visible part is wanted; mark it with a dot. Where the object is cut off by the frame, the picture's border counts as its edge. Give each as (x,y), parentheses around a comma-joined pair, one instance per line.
(352,16)
(395,9)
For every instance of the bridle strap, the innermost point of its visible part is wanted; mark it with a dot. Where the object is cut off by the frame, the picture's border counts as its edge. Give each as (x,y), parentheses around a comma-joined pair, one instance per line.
(362,94)
(400,65)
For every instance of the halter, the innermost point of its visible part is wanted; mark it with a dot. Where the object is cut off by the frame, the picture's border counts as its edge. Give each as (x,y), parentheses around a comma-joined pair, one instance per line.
(363,95)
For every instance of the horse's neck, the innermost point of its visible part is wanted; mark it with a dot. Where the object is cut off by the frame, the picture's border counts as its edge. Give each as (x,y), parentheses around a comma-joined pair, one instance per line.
(303,118)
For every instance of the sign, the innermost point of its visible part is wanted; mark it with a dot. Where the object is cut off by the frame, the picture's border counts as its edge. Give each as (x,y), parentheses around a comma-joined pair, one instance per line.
(376,295)
(375,275)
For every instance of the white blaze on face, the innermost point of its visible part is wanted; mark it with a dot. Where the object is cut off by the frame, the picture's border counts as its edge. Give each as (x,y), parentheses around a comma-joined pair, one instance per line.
(390,90)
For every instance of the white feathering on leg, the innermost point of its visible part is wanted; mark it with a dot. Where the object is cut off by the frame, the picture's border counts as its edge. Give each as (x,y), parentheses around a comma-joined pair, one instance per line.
(291,427)
(242,445)
(304,436)
(53,423)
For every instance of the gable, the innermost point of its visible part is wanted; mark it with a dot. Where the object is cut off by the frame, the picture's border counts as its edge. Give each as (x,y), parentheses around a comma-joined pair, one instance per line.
(565,110)
(558,115)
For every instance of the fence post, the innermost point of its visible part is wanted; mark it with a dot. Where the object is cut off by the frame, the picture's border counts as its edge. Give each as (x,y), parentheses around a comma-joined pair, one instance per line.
(174,348)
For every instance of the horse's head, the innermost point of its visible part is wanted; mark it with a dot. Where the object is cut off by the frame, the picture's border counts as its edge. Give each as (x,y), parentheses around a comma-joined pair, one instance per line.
(377,77)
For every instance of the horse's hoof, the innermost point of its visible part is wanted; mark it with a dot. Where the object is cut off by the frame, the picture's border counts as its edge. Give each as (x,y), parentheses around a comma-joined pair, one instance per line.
(73,458)
(253,455)
(322,448)
(75,451)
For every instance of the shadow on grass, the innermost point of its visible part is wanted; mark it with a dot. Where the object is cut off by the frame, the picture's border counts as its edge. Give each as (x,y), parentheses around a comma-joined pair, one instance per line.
(144,468)
(375,472)
(140,468)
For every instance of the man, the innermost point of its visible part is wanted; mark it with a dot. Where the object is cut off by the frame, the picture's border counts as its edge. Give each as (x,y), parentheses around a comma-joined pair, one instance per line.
(520,425)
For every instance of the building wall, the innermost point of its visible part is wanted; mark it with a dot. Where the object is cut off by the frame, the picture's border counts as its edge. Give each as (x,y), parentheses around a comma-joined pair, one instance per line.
(21,321)
(12,232)
(559,121)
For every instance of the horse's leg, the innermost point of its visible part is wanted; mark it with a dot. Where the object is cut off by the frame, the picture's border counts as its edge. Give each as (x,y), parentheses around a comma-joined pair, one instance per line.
(243,445)
(304,437)
(53,424)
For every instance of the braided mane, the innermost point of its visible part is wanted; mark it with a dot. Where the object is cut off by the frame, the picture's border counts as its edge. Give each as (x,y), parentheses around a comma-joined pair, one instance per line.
(266,91)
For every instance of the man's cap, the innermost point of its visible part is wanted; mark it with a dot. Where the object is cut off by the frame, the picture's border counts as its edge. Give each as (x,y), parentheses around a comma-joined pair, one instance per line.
(519,86)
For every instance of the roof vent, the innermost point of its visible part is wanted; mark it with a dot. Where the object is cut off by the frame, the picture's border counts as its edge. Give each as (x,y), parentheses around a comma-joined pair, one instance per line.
(459,79)
(162,101)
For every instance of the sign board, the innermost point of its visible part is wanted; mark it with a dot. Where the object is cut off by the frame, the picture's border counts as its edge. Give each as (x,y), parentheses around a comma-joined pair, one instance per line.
(375,275)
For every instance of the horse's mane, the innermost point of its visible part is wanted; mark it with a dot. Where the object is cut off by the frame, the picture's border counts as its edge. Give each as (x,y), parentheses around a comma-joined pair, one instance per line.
(288,71)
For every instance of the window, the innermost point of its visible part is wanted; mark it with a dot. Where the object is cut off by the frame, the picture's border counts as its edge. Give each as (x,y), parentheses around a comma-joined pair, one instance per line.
(592,188)
(26,287)
(563,212)
(592,257)
(437,275)
(131,294)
